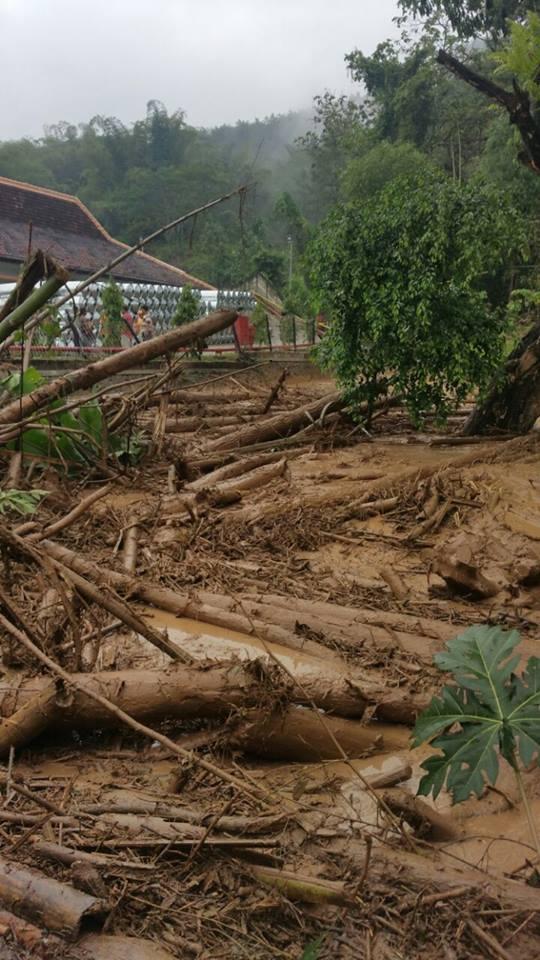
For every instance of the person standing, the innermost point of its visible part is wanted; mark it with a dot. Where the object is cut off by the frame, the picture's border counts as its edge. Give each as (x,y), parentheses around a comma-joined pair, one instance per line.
(128,336)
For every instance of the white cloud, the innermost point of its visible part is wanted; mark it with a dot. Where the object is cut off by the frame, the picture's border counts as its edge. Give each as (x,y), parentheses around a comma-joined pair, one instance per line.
(219,60)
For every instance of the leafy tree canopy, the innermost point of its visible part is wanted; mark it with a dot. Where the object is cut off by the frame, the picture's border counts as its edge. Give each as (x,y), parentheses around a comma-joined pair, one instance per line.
(469,18)
(403,279)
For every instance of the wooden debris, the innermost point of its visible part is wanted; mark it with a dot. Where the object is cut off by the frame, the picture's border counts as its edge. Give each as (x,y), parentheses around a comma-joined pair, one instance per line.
(56,906)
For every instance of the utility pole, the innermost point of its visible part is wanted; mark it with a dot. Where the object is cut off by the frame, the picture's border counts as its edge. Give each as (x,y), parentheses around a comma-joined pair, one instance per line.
(290,243)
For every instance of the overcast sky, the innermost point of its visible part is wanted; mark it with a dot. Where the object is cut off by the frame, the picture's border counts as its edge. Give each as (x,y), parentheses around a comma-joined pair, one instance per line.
(219,60)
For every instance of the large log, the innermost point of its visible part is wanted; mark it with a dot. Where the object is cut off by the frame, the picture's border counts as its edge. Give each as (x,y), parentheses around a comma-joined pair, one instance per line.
(94,373)
(299,735)
(337,687)
(176,693)
(282,425)
(182,605)
(56,906)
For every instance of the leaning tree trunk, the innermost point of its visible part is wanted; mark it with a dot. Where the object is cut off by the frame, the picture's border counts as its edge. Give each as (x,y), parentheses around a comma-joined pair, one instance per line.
(142,353)
(513,402)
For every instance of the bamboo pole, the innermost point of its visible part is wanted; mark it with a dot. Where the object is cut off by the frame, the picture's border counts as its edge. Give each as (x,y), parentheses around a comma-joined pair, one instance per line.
(33,303)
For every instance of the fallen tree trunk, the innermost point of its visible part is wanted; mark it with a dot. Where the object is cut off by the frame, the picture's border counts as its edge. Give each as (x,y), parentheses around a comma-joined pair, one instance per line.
(234,469)
(297,734)
(253,479)
(425,819)
(202,422)
(30,720)
(56,906)
(513,403)
(182,605)
(282,425)
(94,373)
(179,694)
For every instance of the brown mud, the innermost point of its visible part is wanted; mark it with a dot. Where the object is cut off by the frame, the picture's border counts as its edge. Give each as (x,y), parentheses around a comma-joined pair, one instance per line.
(324,604)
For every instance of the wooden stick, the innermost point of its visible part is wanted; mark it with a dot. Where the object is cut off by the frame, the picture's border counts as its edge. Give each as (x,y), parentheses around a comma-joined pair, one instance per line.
(73,514)
(303,887)
(131,541)
(488,940)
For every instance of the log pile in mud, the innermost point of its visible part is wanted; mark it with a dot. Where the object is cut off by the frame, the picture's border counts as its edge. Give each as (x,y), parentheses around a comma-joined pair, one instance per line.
(212,662)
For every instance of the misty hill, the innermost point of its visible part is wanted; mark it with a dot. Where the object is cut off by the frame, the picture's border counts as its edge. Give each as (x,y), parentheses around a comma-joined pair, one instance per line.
(136,177)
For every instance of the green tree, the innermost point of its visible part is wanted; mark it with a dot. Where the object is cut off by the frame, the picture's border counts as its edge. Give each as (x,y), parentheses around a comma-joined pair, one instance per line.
(188,307)
(469,18)
(112,303)
(337,135)
(367,175)
(404,280)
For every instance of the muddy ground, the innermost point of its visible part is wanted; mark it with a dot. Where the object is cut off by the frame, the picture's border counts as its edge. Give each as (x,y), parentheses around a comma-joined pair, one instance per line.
(272,814)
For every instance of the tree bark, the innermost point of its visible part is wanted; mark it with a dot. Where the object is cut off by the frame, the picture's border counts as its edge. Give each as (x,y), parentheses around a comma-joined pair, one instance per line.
(282,425)
(94,373)
(513,402)
(230,470)
(145,694)
(298,735)
(56,906)
(33,717)
(37,268)
(100,946)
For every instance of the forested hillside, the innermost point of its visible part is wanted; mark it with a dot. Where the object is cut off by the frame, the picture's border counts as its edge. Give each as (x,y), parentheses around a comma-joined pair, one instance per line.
(410,117)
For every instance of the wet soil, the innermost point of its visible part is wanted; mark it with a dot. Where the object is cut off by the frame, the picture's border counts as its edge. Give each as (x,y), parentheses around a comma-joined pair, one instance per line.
(300,562)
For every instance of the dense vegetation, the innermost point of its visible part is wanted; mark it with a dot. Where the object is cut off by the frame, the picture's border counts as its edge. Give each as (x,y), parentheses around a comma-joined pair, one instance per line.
(417,154)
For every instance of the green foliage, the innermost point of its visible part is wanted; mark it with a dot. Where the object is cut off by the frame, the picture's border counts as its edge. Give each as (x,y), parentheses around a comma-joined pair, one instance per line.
(369,174)
(490,711)
(112,302)
(524,305)
(259,320)
(67,440)
(469,18)
(520,55)
(188,307)
(402,278)
(337,134)
(23,502)
(18,384)
(313,950)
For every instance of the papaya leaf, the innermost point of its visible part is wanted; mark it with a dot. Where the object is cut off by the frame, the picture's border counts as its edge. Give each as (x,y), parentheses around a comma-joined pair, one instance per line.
(490,712)
(481,659)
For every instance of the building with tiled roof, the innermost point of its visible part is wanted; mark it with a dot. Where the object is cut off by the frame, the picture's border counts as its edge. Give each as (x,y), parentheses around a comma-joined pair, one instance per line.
(64,228)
